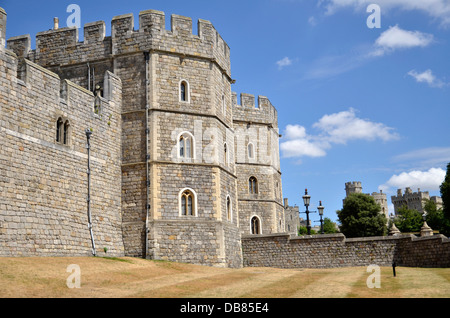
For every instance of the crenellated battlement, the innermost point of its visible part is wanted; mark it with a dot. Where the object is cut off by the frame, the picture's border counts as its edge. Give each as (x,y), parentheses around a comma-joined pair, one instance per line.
(61,46)
(248,110)
(28,79)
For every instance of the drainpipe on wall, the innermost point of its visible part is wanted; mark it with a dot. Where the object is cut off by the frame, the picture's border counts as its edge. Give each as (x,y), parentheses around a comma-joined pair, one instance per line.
(89,77)
(147,155)
(88,146)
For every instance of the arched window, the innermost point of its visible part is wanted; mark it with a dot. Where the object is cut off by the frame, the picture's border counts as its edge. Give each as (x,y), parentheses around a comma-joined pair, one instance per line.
(66,133)
(229,209)
(250,150)
(186,146)
(59,128)
(184,91)
(255,225)
(188,203)
(252,185)
(62,131)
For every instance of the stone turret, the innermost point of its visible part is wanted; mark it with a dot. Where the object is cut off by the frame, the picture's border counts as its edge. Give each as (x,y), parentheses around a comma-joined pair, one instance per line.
(353,187)
(2,27)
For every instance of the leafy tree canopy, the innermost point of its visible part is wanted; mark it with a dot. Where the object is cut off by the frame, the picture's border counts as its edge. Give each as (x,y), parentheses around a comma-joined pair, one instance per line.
(360,217)
(408,220)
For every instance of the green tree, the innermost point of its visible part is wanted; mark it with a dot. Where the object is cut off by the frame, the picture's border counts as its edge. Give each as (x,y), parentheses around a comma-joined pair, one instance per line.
(435,216)
(408,220)
(329,227)
(445,195)
(302,230)
(360,217)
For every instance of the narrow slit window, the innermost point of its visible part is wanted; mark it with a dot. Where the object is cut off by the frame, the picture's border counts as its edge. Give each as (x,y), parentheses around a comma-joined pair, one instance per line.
(59,126)
(66,133)
(183,91)
(250,151)
(253,185)
(225,154)
(229,211)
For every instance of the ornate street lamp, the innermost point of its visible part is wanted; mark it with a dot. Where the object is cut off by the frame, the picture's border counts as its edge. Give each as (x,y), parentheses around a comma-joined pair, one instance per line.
(306,201)
(320,209)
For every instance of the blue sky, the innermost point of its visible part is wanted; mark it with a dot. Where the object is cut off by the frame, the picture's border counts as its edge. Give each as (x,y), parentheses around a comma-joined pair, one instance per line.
(354,103)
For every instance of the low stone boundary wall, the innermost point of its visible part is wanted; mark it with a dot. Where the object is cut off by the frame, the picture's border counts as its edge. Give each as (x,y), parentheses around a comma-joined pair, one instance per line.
(335,250)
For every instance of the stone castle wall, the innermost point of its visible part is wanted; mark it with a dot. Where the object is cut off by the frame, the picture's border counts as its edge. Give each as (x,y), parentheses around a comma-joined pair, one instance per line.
(334,250)
(43,206)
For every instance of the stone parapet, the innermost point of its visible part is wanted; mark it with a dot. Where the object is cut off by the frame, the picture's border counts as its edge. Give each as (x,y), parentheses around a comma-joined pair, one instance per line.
(335,250)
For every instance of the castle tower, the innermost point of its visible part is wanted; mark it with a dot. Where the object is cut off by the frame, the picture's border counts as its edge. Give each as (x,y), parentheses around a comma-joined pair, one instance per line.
(260,195)
(179,197)
(353,187)
(413,200)
(379,197)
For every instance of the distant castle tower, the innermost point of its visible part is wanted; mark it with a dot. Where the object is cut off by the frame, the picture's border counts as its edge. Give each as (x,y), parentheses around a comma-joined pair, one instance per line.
(414,200)
(379,197)
(353,187)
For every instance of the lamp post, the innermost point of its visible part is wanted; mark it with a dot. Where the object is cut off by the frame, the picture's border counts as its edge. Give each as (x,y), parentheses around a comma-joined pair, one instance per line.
(320,209)
(306,201)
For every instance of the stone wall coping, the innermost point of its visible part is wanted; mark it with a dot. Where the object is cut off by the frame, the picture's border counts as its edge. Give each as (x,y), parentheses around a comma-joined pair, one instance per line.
(291,237)
(94,23)
(78,87)
(123,16)
(256,236)
(42,69)
(432,237)
(378,238)
(152,11)
(65,29)
(19,37)
(318,237)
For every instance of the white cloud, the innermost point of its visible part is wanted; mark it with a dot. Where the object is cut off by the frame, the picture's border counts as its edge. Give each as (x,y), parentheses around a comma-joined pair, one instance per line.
(300,148)
(395,38)
(427,77)
(284,62)
(344,126)
(439,10)
(338,128)
(426,180)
